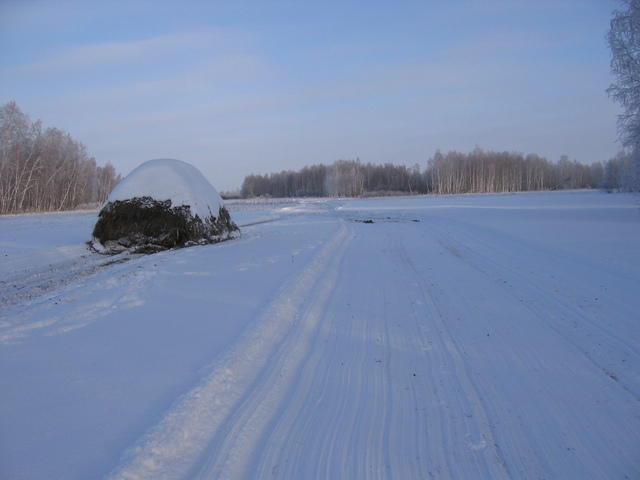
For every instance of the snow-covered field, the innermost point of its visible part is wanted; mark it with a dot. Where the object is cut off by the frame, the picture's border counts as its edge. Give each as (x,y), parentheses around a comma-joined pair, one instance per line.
(455,337)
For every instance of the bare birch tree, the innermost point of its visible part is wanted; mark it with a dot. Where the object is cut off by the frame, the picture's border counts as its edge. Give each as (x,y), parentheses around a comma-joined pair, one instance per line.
(46,170)
(623,38)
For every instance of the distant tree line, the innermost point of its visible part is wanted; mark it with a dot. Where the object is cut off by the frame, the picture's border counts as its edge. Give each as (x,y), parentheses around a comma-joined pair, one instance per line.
(45,169)
(344,178)
(476,172)
(496,172)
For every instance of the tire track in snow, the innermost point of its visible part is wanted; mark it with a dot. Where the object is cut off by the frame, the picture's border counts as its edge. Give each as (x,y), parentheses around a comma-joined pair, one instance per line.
(247,429)
(27,286)
(27,307)
(537,417)
(235,389)
(383,391)
(561,294)
(351,411)
(463,418)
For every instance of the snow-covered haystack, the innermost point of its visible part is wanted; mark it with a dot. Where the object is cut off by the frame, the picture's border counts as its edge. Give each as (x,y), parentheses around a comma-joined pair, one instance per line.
(162,204)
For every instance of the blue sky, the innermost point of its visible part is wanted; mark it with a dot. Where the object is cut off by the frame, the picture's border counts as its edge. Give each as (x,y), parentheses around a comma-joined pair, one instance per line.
(239,87)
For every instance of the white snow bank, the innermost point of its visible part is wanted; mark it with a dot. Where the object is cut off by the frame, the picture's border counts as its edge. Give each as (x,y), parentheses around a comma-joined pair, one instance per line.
(169,179)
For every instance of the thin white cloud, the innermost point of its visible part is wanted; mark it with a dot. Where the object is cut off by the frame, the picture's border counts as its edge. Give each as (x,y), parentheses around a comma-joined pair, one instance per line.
(121,53)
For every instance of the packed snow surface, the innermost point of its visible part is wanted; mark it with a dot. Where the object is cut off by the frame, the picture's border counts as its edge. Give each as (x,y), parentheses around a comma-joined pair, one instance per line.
(168,179)
(437,337)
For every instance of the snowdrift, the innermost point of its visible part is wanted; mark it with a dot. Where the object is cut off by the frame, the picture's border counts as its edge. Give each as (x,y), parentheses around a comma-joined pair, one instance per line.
(162,204)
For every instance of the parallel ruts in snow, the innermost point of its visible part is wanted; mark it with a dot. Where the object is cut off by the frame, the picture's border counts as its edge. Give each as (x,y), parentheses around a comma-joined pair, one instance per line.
(68,274)
(376,378)
(525,344)
(227,413)
(591,317)
(462,422)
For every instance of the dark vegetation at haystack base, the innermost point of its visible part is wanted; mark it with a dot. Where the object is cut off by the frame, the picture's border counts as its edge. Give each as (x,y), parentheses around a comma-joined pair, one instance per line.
(145,225)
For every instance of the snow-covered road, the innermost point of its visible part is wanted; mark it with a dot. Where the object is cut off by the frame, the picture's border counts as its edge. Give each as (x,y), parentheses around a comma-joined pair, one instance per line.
(493,336)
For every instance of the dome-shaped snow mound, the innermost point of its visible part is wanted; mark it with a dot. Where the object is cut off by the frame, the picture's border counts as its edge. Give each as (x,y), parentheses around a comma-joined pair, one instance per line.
(162,204)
